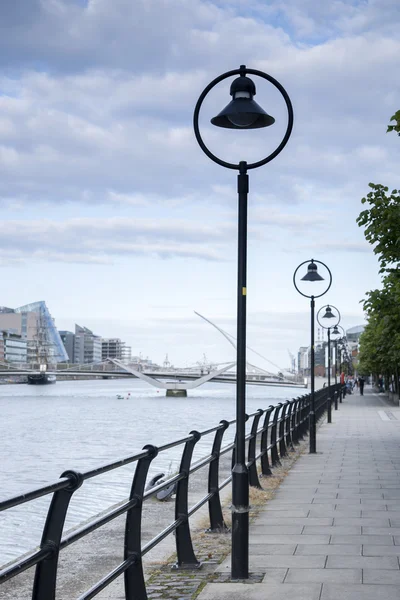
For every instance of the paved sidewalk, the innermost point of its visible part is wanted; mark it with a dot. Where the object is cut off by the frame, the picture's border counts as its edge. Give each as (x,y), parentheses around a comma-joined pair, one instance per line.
(332,532)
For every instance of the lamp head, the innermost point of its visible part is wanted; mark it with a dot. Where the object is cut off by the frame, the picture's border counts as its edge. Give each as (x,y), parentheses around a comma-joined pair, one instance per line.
(335,331)
(328,313)
(312,273)
(243,112)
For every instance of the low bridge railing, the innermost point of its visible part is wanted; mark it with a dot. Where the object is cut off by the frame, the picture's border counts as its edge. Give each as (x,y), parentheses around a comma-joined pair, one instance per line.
(274,432)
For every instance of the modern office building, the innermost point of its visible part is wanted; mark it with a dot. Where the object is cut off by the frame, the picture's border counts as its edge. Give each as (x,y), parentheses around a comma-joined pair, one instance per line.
(303,360)
(13,348)
(34,324)
(115,348)
(68,339)
(87,346)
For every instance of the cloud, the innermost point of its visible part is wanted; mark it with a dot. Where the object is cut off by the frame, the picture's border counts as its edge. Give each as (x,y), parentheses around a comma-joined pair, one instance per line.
(104,132)
(340,246)
(101,241)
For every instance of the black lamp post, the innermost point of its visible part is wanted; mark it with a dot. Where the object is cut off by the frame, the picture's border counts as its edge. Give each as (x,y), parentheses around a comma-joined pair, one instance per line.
(242,113)
(312,275)
(334,318)
(336,332)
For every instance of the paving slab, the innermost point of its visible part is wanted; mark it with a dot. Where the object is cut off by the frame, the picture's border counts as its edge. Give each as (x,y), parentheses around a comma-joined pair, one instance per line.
(382,576)
(257,562)
(266,549)
(324,576)
(381,550)
(362,562)
(261,591)
(335,529)
(348,591)
(381,540)
(270,519)
(329,549)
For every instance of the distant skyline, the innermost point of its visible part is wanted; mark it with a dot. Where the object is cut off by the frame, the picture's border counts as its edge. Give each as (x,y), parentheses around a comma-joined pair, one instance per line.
(112,214)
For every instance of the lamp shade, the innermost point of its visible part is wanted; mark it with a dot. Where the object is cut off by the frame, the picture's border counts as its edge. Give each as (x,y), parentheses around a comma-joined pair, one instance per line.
(335,331)
(328,313)
(243,112)
(312,273)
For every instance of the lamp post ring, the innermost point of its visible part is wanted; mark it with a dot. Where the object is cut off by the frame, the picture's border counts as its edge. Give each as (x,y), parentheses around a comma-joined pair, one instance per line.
(333,324)
(210,86)
(313,296)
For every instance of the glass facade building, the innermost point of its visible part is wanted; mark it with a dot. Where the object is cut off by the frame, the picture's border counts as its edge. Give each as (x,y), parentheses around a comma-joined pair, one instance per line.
(45,323)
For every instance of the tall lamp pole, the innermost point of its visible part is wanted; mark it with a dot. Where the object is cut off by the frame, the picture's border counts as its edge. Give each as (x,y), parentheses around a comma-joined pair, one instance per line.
(336,332)
(242,113)
(312,275)
(334,319)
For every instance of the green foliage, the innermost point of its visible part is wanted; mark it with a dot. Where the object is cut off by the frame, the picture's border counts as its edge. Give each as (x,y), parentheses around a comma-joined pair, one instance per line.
(380,342)
(396,119)
(382,224)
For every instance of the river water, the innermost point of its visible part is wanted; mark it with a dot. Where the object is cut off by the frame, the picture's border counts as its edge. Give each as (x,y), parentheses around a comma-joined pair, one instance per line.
(46,430)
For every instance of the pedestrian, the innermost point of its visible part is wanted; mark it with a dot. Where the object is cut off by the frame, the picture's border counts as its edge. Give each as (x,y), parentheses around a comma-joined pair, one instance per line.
(380,384)
(361,382)
(342,383)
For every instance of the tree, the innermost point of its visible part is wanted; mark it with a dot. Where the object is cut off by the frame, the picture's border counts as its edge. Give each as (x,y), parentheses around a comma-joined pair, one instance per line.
(396,119)
(382,223)
(380,342)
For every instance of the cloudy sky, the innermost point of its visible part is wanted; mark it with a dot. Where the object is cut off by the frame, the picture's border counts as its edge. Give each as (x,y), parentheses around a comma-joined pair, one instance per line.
(112,214)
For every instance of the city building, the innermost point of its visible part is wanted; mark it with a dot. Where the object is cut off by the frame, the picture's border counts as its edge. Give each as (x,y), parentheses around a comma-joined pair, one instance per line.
(23,323)
(13,348)
(321,353)
(68,339)
(303,360)
(353,340)
(115,348)
(87,346)
(34,324)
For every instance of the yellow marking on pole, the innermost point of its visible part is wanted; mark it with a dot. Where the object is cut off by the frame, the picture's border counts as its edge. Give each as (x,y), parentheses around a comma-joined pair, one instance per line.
(244,291)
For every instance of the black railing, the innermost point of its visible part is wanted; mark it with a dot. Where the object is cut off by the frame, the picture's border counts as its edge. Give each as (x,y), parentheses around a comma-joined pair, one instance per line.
(281,429)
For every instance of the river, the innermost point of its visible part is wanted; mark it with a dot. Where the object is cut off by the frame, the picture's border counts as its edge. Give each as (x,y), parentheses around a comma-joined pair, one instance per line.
(46,430)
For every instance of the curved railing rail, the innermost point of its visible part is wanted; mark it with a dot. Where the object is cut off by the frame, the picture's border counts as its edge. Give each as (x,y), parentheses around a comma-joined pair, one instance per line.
(274,433)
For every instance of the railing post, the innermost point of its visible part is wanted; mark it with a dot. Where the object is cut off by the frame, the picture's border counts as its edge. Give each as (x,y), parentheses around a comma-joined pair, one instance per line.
(265,468)
(282,422)
(251,458)
(44,585)
(295,422)
(135,587)
(300,418)
(307,410)
(288,436)
(340,393)
(336,397)
(274,450)
(217,523)
(184,547)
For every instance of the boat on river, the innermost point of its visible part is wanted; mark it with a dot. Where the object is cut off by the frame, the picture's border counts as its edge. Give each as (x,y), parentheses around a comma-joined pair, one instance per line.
(41,378)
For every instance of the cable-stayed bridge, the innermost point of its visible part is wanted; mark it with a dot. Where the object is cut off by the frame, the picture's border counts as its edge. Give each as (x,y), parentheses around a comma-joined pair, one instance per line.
(176,381)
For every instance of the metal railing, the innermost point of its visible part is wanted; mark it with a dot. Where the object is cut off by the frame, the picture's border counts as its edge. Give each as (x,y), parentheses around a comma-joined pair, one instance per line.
(274,432)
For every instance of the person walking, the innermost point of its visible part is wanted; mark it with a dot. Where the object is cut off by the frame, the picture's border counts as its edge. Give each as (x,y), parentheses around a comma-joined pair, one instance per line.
(361,382)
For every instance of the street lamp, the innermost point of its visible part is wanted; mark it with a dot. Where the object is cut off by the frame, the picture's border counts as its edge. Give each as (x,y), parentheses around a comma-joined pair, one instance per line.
(242,112)
(336,332)
(312,276)
(334,319)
